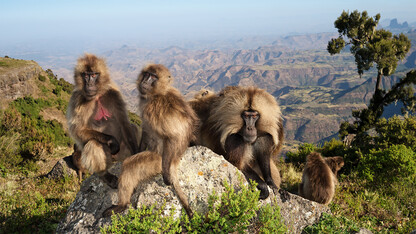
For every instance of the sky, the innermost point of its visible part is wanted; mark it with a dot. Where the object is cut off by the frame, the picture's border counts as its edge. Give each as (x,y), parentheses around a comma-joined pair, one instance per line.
(78,21)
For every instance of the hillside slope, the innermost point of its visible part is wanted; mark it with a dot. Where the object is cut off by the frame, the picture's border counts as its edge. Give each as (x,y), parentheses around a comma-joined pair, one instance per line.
(23,78)
(32,117)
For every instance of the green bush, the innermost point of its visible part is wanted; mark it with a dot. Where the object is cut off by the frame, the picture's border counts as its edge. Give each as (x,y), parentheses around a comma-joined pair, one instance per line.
(233,212)
(299,157)
(28,106)
(44,89)
(270,220)
(383,166)
(60,84)
(65,86)
(42,78)
(62,105)
(11,119)
(333,147)
(30,135)
(57,90)
(396,130)
(144,220)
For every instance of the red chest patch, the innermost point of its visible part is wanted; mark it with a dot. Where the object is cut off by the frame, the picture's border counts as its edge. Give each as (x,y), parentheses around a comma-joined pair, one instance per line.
(102,112)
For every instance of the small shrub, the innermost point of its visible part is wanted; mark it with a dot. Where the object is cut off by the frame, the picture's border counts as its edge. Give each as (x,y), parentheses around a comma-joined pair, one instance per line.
(65,86)
(44,89)
(62,104)
(57,90)
(333,147)
(41,78)
(270,220)
(233,212)
(53,79)
(291,176)
(11,120)
(9,148)
(392,164)
(28,106)
(299,157)
(144,220)
(396,130)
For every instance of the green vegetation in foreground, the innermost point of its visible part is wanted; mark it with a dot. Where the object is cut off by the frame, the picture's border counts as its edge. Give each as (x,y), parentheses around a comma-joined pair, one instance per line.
(377,183)
(235,211)
(29,205)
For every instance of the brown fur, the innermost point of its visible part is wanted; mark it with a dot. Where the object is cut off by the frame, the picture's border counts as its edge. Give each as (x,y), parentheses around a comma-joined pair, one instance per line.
(96,139)
(76,160)
(168,126)
(222,128)
(319,178)
(201,104)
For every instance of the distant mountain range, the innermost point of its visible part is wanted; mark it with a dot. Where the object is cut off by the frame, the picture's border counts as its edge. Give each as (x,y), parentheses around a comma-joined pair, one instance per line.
(316,91)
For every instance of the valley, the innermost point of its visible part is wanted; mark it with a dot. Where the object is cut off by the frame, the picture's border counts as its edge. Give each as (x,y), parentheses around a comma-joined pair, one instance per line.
(316,91)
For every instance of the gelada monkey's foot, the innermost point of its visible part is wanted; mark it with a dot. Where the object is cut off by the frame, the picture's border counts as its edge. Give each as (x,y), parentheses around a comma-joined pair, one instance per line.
(284,195)
(264,191)
(116,209)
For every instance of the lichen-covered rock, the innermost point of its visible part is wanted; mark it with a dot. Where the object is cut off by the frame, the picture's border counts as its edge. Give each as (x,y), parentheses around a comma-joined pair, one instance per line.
(200,173)
(298,212)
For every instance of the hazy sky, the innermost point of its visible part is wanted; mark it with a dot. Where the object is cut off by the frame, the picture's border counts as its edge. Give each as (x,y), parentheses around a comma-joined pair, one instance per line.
(70,21)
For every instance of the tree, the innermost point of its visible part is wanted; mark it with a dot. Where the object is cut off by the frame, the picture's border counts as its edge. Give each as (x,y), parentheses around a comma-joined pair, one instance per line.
(370,46)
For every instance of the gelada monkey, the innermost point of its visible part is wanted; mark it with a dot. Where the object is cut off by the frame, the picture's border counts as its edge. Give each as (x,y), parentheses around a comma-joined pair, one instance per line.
(168,124)
(98,120)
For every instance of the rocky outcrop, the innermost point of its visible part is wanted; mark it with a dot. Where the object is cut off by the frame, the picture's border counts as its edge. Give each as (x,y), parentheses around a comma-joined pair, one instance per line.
(17,79)
(200,173)
(63,168)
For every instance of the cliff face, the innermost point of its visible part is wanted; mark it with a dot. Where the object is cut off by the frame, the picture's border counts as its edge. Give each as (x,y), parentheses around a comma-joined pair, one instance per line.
(17,78)
(21,78)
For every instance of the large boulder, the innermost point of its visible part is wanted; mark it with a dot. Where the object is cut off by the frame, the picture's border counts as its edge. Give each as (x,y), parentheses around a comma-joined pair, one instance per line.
(200,173)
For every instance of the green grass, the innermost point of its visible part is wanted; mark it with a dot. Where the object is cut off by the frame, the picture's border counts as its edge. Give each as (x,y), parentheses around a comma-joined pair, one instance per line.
(332,224)
(29,205)
(13,63)
(381,208)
